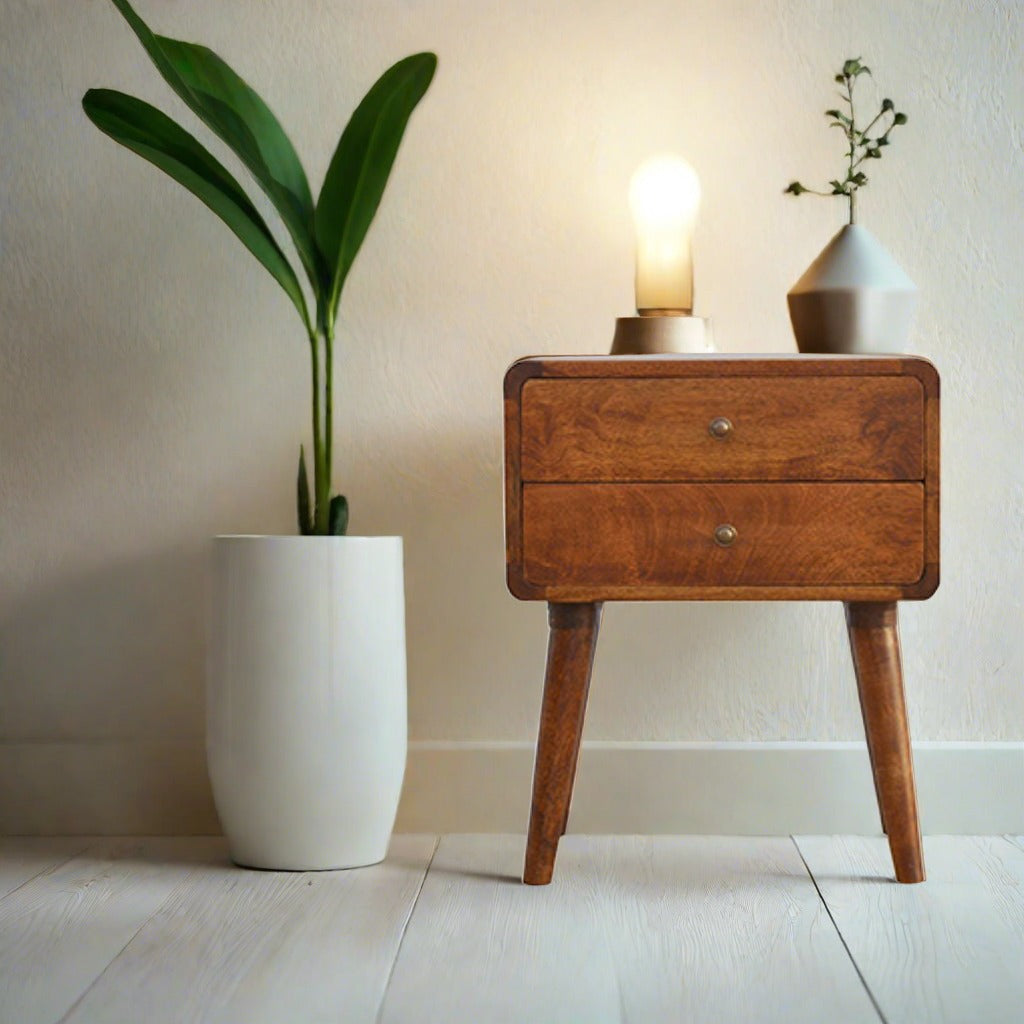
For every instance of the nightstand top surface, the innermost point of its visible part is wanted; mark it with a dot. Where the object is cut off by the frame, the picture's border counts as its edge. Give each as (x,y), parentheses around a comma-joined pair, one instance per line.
(722,364)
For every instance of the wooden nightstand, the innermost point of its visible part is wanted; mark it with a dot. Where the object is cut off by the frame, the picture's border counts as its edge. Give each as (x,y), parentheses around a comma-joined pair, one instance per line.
(675,478)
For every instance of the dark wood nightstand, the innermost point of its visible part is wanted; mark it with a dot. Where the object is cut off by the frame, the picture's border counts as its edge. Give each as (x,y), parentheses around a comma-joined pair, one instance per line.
(674,478)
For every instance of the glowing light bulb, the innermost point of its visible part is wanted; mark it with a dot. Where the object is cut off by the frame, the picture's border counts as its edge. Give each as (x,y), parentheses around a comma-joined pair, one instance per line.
(663,196)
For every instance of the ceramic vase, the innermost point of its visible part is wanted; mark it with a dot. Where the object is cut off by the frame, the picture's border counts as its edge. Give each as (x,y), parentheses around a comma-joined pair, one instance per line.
(854,298)
(306,698)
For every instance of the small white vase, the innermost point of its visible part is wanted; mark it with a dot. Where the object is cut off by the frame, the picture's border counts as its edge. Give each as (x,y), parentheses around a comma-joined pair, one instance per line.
(306,698)
(853,298)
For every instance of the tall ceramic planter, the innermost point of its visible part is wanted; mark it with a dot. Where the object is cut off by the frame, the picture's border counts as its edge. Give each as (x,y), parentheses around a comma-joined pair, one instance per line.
(853,298)
(306,698)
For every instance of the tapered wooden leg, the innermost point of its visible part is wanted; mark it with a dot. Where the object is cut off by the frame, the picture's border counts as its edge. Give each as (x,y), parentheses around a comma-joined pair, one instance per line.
(573,637)
(574,757)
(875,644)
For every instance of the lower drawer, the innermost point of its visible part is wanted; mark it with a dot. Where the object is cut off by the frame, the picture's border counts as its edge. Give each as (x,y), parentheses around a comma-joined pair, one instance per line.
(674,535)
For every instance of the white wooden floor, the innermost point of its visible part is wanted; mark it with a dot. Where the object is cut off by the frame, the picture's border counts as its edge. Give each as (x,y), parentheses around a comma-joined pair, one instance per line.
(640,929)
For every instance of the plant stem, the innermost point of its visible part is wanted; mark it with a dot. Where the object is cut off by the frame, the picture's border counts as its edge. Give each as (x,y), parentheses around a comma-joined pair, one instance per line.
(328,411)
(319,517)
(874,121)
(852,136)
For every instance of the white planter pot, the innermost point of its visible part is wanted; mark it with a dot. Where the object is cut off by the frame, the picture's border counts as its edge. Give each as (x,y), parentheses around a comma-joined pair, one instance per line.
(853,298)
(306,698)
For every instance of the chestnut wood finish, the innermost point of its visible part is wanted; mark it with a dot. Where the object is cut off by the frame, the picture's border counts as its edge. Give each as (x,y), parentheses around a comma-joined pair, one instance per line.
(571,645)
(875,644)
(632,535)
(722,478)
(774,429)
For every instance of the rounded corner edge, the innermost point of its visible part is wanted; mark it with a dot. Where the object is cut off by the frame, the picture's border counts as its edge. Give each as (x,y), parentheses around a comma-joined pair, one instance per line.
(518,586)
(926,585)
(519,372)
(926,372)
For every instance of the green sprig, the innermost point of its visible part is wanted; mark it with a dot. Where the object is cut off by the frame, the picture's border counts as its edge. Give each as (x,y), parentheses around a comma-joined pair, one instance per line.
(861,143)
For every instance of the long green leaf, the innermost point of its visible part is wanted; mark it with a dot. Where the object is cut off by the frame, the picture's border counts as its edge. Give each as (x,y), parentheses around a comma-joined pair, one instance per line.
(362,163)
(239,116)
(155,137)
(234,112)
(302,487)
(338,520)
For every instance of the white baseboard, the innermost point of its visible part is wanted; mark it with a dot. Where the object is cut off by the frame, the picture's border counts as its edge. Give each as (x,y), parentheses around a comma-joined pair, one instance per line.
(152,787)
(713,788)
(106,787)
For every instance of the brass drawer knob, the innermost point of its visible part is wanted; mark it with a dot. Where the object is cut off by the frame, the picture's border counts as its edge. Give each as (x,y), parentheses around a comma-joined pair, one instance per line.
(725,535)
(720,428)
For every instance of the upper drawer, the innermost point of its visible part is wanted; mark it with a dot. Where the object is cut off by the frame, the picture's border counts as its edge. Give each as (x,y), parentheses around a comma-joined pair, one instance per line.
(771,428)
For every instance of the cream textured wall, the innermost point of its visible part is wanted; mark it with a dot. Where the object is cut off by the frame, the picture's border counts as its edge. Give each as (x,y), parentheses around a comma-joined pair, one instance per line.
(154,379)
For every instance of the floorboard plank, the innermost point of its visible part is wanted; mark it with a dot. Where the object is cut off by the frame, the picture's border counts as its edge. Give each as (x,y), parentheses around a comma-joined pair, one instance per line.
(948,950)
(641,929)
(60,930)
(24,857)
(483,947)
(719,928)
(237,945)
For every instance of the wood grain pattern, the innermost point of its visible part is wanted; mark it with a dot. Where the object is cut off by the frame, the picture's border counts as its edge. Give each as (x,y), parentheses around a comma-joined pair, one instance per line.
(572,592)
(931,479)
(651,930)
(722,365)
(481,947)
(517,374)
(264,946)
(59,931)
(853,371)
(717,478)
(22,858)
(827,428)
(949,951)
(875,645)
(663,534)
(571,646)
(716,928)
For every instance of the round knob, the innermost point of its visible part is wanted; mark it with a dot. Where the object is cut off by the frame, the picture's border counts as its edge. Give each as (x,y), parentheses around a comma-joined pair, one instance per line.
(725,535)
(720,427)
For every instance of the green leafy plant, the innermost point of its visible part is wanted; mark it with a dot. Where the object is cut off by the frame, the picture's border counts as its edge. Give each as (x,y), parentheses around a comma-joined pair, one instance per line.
(862,143)
(326,235)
